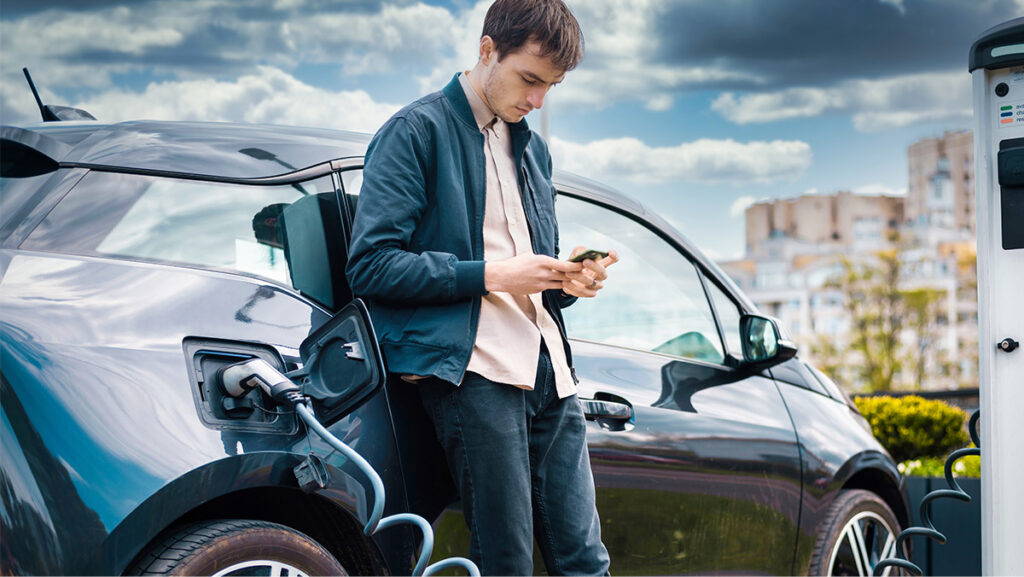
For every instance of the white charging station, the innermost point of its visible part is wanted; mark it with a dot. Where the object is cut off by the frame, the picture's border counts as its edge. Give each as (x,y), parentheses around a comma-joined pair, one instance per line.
(997,68)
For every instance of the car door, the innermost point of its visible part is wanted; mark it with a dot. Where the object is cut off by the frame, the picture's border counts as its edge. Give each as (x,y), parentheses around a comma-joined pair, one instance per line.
(704,474)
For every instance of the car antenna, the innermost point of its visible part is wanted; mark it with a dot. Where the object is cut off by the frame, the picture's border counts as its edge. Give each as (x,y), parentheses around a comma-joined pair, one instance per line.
(52,112)
(39,101)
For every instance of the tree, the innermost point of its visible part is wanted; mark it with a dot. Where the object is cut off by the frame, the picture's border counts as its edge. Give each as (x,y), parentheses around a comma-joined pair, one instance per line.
(921,305)
(881,312)
(873,300)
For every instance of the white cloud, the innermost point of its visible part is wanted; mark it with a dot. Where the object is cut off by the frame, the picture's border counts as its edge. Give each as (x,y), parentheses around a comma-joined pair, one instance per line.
(604,83)
(703,160)
(660,103)
(740,205)
(773,106)
(620,60)
(76,55)
(463,37)
(623,49)
(874,104)
(86,49)
(118,29)
(376,42)
(269,96)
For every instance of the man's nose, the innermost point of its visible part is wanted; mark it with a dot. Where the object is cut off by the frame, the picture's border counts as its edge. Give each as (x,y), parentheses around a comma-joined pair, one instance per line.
(536,96)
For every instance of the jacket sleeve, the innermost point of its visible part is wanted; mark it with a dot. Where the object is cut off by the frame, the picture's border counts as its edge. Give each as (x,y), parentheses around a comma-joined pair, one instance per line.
(392,200)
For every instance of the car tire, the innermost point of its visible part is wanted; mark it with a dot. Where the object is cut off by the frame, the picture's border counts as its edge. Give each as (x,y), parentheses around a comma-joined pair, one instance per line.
(858,531)
(237,547)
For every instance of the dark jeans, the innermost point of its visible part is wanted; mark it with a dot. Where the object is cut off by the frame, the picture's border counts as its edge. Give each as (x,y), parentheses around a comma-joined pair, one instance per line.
(519,459)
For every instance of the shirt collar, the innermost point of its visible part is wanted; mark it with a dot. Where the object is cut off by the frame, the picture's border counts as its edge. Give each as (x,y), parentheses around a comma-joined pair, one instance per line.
(481,112)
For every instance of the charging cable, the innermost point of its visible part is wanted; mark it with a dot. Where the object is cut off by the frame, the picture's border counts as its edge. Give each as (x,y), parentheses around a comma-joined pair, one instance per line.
(953,492)
(240,378)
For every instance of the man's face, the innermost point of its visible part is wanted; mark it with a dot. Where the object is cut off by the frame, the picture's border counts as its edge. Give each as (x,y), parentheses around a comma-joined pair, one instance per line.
(517,83)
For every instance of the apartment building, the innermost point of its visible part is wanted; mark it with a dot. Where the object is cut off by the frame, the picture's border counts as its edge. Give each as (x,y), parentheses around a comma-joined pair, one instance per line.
(940,191)
(795,246)
(823,223)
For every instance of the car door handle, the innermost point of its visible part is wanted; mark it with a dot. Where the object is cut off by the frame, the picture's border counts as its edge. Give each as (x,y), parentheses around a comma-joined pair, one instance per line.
(595,409)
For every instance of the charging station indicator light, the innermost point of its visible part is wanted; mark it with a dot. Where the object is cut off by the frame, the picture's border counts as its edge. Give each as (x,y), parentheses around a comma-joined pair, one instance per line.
(1011,114)
(998,51)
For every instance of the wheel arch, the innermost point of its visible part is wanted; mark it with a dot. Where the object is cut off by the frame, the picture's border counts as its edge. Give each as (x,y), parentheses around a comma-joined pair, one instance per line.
(875,472)
(257,486)
(317,517)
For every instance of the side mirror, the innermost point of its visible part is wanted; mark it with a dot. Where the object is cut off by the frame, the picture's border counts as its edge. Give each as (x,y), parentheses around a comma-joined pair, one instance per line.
(763,343)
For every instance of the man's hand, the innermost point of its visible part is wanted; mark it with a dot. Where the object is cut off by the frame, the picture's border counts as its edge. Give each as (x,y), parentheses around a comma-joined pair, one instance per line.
(528,273)
(590,279)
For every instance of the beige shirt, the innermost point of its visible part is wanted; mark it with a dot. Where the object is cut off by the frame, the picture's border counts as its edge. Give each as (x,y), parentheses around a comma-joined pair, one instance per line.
(511,327)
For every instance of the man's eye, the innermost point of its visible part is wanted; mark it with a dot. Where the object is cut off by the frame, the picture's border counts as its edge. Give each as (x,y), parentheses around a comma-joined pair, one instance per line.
(528,81)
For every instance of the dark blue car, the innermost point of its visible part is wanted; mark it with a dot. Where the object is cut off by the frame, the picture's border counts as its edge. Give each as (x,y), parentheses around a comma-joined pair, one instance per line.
(139,259)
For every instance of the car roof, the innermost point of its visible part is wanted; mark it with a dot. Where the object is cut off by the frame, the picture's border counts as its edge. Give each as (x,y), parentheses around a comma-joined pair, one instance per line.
(219,149)
(254,151)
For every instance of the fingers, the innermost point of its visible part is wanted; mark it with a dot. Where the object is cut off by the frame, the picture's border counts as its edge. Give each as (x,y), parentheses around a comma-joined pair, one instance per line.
(599,266)
(577,289)
(541,272)
(589,279)
(584,277)
(563,266)
(612,258)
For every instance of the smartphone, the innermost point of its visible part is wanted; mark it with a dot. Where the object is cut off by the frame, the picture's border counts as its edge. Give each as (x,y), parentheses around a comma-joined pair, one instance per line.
(589,254)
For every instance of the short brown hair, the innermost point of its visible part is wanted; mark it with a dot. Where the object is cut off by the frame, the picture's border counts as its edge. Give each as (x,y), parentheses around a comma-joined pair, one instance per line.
(513,23)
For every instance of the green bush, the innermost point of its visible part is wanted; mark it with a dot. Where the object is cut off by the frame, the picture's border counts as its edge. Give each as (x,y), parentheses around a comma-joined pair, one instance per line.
(969,466)
(912,427)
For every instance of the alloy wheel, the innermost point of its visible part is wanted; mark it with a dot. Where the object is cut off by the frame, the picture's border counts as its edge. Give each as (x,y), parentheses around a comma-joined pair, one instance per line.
(261,568)
(865,540)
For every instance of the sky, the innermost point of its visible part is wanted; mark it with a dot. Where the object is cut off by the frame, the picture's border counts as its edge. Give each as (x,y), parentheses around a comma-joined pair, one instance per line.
(696,108)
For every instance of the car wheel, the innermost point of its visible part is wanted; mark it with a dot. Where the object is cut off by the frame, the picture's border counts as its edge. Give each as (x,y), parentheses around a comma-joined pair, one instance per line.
(859,531)
(237,547)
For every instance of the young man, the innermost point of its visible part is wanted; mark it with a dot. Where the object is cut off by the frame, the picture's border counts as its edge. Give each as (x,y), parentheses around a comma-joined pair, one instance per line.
(454,246)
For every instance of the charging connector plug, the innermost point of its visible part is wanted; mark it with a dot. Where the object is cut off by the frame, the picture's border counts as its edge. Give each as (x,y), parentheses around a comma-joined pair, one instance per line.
(240,378)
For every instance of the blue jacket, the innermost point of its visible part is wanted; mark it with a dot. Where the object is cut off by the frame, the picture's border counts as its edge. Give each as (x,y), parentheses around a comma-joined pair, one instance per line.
(417,251)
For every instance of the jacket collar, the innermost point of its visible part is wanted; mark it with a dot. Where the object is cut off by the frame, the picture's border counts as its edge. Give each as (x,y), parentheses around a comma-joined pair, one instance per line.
(455,95)
(520,131)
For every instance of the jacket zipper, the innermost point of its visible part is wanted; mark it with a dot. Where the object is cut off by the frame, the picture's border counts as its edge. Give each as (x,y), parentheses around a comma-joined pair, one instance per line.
(528,190)
(474,317)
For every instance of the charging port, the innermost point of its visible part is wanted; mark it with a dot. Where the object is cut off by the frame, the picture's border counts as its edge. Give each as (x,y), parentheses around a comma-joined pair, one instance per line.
(253,412)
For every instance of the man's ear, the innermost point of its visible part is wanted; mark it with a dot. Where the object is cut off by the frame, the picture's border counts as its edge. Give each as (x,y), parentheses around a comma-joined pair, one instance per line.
(487,50)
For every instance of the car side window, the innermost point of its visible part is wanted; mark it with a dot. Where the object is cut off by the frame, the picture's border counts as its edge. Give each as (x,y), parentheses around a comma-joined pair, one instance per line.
(277,232)
(653,300)
(351,184)
(352,180)
(728,318)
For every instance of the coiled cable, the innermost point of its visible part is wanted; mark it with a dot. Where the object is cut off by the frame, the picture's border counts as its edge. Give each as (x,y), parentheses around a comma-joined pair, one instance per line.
(375,522)
(953,492)
(239,378)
